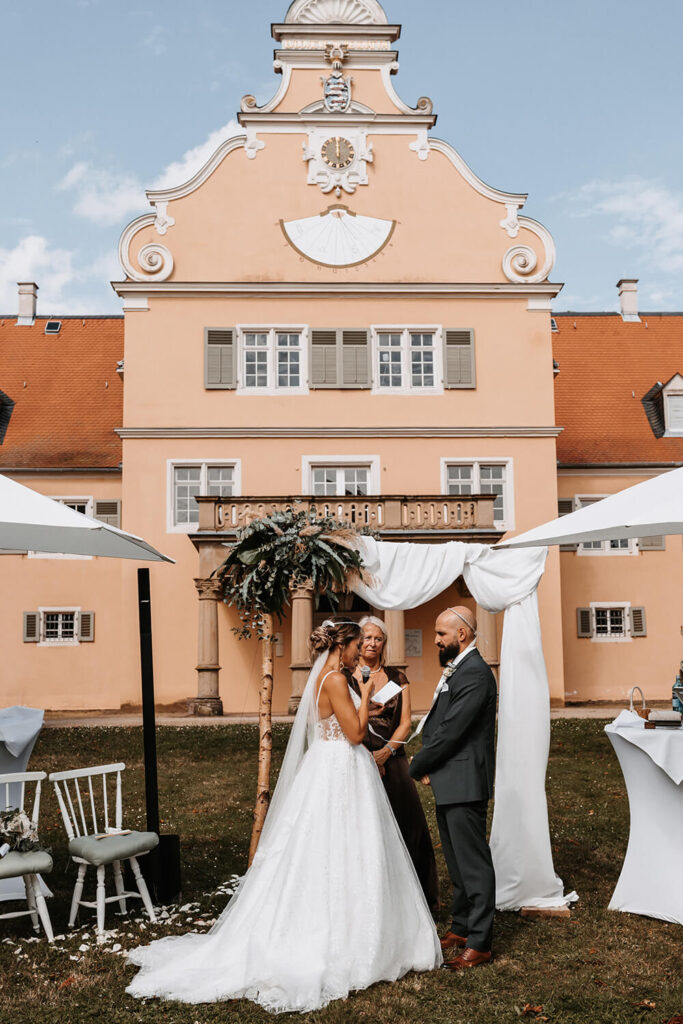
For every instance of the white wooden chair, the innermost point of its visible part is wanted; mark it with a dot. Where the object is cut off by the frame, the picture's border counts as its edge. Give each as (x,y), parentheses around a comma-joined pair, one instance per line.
(99,848)
(27,865)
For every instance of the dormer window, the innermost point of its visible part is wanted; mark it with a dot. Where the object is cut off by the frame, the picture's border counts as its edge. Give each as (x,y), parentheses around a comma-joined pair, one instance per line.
(53,326)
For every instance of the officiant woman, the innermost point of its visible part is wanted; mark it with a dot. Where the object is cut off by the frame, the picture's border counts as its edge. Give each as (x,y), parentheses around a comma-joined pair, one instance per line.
(391,722)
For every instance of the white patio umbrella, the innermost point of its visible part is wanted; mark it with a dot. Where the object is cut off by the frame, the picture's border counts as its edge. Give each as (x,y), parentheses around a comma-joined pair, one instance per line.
(651,509)
(31,522)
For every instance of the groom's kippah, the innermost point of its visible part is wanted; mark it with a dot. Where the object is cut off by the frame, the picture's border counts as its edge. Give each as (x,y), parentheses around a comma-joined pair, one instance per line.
(463,619)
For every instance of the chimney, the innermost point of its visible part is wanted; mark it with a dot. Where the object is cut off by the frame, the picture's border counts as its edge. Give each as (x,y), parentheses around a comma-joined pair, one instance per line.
(28,299)
(628,297)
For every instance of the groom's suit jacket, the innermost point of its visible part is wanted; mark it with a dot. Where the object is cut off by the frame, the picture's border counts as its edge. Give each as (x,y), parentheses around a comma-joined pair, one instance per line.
(458,749)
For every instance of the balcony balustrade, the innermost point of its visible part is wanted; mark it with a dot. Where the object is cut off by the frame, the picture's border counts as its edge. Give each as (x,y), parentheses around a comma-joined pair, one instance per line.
(409,516)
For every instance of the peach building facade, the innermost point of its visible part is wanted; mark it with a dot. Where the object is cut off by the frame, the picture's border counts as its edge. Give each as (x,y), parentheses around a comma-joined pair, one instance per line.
(335,309)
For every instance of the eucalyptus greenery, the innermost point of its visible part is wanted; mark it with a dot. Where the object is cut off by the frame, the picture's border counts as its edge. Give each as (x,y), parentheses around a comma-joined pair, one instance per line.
(281,551)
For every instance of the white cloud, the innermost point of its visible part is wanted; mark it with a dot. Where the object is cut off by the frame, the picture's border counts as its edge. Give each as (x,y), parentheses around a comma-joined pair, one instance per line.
(640,214)
(103,197)
(193,159)
(33,260)
(155,40)
(106,198)
(55,272)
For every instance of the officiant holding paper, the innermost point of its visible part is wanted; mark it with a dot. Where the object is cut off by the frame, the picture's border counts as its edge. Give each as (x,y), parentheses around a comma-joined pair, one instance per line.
(389,726)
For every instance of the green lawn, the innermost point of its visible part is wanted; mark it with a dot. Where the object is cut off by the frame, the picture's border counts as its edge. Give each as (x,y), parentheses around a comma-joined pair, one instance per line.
(598,967)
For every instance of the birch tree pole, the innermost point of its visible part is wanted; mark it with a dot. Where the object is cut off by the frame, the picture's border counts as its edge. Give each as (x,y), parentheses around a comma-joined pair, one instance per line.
(265,735)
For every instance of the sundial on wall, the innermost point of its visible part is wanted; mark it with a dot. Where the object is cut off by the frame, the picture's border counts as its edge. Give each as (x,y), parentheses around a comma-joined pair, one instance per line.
(337,237)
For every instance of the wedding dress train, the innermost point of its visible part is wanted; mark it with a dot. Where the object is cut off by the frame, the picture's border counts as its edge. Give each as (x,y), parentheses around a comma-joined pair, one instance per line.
(330,904)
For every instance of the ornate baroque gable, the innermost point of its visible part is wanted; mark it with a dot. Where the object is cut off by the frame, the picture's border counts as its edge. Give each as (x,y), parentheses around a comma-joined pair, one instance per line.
(336,132)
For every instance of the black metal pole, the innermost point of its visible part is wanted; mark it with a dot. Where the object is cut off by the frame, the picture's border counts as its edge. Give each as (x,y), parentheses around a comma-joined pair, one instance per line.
(148,719)
(161,867)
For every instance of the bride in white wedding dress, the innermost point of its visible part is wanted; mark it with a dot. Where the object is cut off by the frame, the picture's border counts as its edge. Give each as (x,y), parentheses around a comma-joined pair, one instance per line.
(331,902)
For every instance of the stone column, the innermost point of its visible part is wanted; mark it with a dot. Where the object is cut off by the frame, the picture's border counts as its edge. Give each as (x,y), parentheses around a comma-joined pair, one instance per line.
(487,638)
(396,639)
(207,701)
(302,627)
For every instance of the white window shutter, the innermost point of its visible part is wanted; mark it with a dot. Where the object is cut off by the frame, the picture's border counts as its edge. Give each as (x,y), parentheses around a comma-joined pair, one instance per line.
(584,622)
(355,359)
(108,511)
(86,627)
(323,359)
(220,359)
(458,358)
(564,507)
(651,544)
(638,623)
(31,627)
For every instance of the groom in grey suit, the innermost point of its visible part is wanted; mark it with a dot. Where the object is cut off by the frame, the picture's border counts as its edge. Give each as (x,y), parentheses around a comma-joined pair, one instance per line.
(457,760)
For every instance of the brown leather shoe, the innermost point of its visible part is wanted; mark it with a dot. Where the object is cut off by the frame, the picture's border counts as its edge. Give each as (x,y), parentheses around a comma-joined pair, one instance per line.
(468,958)
(452,941)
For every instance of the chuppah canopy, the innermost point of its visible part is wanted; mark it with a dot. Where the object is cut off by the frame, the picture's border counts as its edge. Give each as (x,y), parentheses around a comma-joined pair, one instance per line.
(31,522)
(651,509)
(407,575)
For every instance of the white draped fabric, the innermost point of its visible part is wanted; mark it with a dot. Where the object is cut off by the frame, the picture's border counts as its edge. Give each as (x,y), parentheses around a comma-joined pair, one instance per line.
(408,575)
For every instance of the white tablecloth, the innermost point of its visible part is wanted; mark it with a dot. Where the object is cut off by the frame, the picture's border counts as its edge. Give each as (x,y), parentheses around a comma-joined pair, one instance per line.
(652,764)
(19,730)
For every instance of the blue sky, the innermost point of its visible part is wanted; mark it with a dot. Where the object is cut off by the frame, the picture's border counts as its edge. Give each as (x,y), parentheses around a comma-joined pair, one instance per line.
(577,103)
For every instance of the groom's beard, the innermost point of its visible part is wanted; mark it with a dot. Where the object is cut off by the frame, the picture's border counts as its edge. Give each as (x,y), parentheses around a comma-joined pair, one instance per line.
(447,654)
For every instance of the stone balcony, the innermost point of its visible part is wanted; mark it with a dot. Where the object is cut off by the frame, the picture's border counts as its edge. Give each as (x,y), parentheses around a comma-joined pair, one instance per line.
(409,517)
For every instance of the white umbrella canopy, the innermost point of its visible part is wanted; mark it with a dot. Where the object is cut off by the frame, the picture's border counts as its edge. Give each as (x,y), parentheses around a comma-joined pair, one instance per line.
(31,522)
(651,509)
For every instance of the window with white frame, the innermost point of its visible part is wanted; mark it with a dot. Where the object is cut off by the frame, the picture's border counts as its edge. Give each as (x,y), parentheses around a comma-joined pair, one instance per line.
(620,546)
(407,359)
(483,478)
(82,505)
(349,481)
(58,627)
(189,481)
(350,476)
(273,359)
(610,622)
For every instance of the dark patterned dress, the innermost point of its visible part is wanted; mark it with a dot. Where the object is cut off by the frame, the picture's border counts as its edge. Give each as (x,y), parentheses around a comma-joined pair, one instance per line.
(401,790)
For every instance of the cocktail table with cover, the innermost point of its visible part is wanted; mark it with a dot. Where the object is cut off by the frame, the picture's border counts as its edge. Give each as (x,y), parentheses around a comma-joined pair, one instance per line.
(652,764)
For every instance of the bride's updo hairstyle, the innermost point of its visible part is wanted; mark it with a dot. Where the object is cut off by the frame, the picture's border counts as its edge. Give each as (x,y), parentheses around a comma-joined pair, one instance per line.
(333,634)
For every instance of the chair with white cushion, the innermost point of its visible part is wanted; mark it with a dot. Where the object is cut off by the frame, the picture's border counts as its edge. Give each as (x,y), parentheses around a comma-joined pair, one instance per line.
(98,848)
(32,863)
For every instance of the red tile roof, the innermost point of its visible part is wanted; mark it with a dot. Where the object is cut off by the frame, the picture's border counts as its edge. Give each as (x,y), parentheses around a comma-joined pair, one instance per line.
(606,366)
(69,397)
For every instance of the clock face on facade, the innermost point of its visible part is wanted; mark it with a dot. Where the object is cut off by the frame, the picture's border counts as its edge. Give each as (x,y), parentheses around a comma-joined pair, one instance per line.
(337,152)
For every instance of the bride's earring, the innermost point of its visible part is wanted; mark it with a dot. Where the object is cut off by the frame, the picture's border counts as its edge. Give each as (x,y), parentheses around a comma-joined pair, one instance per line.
(341,660)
